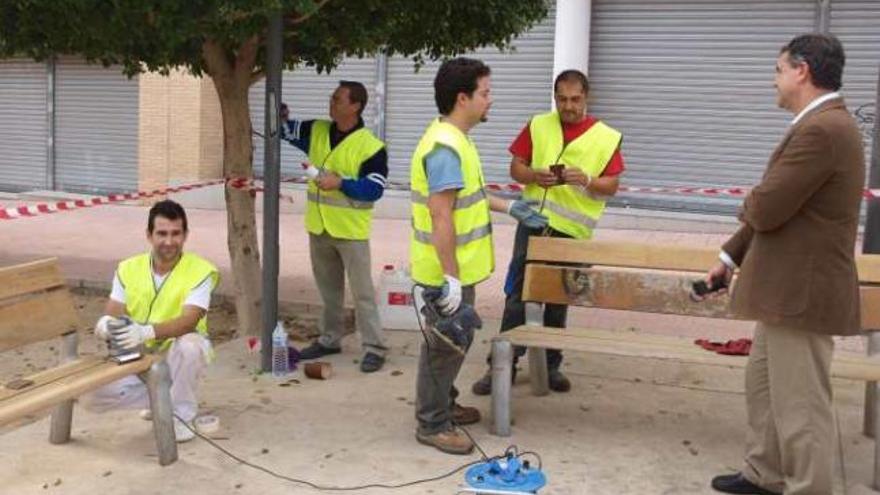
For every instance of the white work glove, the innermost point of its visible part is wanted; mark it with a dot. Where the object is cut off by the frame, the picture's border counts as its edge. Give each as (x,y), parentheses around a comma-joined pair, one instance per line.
(451,299)
(133,335)
(101,330)
(312,171)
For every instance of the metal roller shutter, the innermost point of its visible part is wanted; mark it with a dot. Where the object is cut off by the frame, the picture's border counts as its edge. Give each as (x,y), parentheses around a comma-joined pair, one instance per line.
(307,95)
(23,125)
(521,86)
(857,24)
(96,128)
(690,85)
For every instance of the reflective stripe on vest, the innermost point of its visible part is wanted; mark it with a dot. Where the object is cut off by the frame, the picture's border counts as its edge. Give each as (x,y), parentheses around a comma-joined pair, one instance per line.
(147,304)
(460,202)
(567,207)
(460,239)
(474,252)
(339,202)
(333,211)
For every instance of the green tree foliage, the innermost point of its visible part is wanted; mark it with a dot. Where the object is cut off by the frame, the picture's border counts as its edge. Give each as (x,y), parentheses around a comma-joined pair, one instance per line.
(225,39)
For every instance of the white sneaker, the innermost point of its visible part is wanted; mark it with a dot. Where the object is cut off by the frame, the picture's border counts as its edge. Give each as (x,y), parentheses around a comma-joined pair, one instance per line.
(146,414)
(182,431)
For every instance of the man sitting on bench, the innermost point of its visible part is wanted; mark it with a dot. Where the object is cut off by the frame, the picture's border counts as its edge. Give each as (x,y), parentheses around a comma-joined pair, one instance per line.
(166,293)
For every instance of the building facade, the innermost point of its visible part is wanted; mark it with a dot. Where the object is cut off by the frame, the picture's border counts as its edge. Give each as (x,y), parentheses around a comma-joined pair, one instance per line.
(689,83)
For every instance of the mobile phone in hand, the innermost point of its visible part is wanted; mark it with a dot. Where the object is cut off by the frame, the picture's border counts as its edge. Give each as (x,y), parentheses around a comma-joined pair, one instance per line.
(700,288)
(558,170)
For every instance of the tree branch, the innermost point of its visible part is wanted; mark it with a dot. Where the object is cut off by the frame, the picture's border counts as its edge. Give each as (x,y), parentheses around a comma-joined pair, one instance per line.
(215,59)
(293,21)
(246,59)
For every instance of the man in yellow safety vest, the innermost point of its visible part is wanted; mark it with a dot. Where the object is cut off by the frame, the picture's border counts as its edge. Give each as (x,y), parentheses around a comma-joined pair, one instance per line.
(451,244)
(166,293)
(589,151)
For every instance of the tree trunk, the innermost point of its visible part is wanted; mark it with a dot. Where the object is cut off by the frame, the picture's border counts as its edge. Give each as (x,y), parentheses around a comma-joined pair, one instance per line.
(240,210)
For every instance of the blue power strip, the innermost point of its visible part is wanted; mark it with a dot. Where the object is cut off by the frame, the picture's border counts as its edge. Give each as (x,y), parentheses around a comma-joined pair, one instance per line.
(505,476)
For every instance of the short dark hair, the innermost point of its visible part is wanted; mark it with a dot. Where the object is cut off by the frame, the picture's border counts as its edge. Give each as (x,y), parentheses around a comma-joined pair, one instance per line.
(572,75)
(166,209)
(823,53)
(357,93)
(459,75)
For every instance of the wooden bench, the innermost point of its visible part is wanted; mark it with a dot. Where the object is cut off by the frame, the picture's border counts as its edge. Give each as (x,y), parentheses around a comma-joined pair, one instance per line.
(35,306)
(644,278)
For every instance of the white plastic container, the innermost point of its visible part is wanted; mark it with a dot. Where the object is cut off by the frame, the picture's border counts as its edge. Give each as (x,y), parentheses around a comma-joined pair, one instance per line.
(396,299)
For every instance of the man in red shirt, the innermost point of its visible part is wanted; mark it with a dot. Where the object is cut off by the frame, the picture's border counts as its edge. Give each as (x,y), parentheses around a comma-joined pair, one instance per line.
(589,150)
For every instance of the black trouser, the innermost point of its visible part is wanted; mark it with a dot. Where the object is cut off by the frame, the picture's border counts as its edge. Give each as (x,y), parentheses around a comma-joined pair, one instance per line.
(555,315)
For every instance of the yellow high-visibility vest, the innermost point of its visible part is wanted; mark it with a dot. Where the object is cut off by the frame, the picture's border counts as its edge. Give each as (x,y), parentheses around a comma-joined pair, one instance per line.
(568,209)
(342,217)
(147,304)
(474,251)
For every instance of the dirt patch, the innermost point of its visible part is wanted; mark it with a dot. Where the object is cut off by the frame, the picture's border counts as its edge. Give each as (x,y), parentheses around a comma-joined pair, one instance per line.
(222,324)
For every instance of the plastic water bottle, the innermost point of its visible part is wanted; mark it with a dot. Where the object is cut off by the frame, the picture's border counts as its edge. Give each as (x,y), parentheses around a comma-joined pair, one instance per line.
(280,366)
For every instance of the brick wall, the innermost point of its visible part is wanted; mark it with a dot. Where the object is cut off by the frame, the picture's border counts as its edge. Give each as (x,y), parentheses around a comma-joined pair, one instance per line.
(180,132)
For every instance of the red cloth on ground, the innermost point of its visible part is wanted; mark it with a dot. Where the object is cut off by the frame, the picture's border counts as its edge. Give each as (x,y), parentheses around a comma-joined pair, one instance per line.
(738,347)
(522,145)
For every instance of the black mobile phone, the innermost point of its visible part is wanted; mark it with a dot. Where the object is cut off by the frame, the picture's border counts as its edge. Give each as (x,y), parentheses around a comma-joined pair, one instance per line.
(700,288)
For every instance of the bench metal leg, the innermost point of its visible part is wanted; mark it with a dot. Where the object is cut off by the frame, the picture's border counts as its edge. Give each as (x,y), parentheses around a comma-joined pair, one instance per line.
(537,357)
(876,421)
(502,370)
(62,415)
(871,387)
(158,379)
(538,371)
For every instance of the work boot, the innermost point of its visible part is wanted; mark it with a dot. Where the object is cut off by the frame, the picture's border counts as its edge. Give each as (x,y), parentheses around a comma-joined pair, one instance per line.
(483,386)
(451,441)
(558,381)
(371,362)
(737,483)
(463,415)
(317,350)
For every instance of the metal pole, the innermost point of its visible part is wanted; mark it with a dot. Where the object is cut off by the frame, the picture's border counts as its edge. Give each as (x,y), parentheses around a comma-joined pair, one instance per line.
(51,182)
(381,86)
(823,16)
(272,172)
(871,245)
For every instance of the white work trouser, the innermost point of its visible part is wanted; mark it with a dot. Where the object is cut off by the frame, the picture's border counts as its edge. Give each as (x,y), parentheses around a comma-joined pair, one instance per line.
(187,358)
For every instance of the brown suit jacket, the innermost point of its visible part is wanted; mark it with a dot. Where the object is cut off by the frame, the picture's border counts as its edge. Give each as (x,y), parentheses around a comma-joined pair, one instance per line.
(795,248)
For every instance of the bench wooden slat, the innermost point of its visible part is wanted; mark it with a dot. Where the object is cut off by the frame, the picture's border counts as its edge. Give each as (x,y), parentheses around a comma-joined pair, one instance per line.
(630,290)
(844,364)
(651,256)
(30,277)
(48,376)
(646,291)
(36,319)
(69,387)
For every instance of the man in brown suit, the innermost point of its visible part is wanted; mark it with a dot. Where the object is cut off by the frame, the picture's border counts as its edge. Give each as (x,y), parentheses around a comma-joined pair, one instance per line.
(797,276)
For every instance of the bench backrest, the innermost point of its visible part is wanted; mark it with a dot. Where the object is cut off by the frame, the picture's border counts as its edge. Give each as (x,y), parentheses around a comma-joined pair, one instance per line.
(645,277)
(35,304)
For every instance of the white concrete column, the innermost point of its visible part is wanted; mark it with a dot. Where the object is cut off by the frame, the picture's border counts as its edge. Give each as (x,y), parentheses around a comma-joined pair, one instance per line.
(571,47)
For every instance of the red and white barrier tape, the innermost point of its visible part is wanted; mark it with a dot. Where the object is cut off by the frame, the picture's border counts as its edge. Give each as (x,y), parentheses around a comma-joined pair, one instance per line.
(251,186)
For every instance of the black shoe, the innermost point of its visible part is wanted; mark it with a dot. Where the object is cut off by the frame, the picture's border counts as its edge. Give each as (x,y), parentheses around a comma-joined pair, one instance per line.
(483,386)
(558,381)
(737,483)
(372,362)
(316,351)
